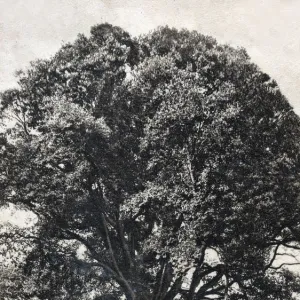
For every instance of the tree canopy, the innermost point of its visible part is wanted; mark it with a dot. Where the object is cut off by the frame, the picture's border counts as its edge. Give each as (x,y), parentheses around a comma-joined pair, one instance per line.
(160,167)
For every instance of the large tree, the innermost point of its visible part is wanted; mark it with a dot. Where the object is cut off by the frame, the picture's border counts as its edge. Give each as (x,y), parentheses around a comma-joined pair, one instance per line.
(164,167)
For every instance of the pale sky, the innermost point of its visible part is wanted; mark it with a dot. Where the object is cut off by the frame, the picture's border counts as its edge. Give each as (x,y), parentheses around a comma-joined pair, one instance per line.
(268,29)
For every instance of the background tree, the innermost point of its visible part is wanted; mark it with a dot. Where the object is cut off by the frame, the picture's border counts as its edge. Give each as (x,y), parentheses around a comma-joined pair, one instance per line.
(144,159)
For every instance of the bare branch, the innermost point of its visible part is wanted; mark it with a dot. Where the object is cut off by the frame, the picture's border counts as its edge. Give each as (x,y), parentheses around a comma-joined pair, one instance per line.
(272,259)
(285,264)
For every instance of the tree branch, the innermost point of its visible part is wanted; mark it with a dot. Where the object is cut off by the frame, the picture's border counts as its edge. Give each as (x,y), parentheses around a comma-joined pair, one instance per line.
(285,264)
(129,288)
(272,259)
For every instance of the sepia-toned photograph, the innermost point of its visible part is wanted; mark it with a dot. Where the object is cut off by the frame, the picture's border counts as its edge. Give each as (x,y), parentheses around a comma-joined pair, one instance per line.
(150,150)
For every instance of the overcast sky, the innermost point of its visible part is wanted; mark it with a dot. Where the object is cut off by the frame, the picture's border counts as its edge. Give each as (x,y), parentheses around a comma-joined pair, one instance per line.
(268,29)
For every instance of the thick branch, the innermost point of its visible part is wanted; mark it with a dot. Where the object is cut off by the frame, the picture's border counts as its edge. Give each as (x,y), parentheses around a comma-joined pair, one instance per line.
(115,264)
(202,291)
(197,275)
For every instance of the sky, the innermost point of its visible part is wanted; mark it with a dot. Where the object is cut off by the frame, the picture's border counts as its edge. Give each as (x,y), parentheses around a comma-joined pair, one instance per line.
(268,29)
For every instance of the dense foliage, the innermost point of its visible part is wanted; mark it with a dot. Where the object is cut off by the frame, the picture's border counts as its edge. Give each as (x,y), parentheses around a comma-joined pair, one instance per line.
(164,167)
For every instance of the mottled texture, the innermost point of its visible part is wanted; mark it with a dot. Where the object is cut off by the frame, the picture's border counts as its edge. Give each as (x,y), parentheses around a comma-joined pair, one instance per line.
(269,30)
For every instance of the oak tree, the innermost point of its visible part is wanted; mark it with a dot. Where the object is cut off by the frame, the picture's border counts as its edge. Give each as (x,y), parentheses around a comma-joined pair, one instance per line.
(160,167)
